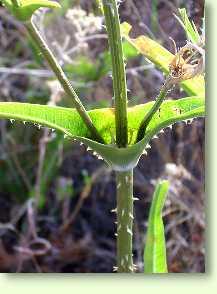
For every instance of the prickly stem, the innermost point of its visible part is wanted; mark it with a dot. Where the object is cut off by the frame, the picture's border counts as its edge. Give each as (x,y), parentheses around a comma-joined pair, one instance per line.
(124,221)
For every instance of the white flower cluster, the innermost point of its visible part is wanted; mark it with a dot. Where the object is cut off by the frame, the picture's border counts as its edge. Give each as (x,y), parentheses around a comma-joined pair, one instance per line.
(84,23)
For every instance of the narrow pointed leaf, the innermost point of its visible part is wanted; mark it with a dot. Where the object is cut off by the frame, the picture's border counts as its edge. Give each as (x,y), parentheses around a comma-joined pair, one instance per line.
(161,57)
(155,248)
(188,26)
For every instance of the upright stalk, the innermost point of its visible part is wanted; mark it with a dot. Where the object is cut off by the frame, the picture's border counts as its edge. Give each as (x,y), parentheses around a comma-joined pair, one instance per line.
(16,3)
(156,106)
(37,38)
(124,179)
(118,70)
(124,221)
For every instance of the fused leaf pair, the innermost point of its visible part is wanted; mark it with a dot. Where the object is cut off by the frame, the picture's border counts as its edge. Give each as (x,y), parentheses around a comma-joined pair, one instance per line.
(70,123)
(24,9)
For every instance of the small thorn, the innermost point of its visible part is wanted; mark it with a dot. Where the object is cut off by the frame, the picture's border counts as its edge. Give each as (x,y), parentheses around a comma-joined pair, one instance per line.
(88,149)
(39,127)
(161,132)
(155,137)
(116,234)
(65,136)
(148,146)
(189,121)
(135,198)
(131,216)
(12,120)
(24,122)
(129,231)
(114,210)
(99,157)
(115,268)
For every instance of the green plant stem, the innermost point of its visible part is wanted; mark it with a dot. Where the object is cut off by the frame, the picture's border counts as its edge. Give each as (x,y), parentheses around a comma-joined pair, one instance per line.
(16,3)
(159,100)
(124,180)
(118,70)
(124,221)
(36,36)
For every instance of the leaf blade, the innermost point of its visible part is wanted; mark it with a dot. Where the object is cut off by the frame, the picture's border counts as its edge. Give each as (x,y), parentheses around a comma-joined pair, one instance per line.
(155,248)
(28,7)
(189,27)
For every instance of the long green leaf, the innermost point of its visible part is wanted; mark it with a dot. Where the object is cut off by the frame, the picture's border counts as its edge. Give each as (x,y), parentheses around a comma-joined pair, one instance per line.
(161,57)
(69,122)
(155,249)
(27,7)
(189,27)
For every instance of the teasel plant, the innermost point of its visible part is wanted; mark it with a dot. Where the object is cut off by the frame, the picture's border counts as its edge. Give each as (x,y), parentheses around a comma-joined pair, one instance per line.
(121,135)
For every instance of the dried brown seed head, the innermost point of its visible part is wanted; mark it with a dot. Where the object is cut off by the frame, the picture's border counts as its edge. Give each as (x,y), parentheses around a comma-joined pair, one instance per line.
(188,62)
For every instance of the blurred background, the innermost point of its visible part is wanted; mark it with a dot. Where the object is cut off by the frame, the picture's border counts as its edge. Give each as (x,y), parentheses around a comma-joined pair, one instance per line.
(73,229)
